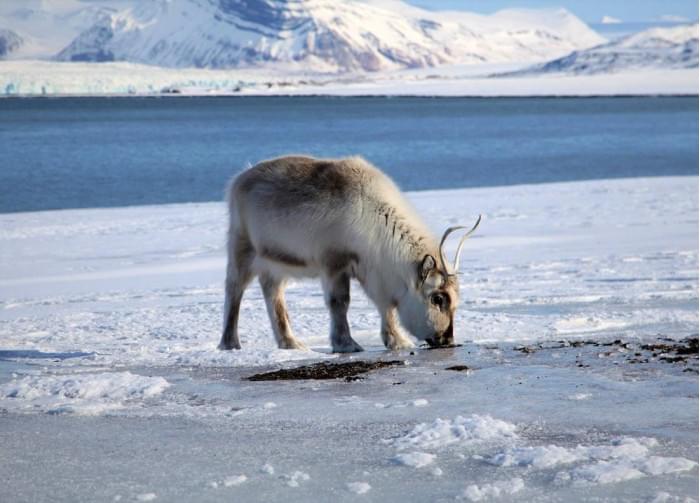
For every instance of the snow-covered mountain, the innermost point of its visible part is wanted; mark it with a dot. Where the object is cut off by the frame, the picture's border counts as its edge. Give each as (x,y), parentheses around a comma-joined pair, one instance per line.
(46,26)
(322,35)
(9,42)
(667,48)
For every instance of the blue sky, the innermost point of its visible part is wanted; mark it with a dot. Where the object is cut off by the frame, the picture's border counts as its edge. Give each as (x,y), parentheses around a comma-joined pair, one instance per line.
(587,10)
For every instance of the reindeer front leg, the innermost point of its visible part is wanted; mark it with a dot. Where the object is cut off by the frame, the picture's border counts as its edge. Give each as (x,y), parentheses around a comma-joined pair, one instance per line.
(392,337)
(337,293)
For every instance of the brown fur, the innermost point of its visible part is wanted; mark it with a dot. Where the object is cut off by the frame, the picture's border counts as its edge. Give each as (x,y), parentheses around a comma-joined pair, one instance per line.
(281,315)
(337,260)
(309,177)
(282,257)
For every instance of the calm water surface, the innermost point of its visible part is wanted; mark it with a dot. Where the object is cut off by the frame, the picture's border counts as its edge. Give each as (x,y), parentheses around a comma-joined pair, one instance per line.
(89,152)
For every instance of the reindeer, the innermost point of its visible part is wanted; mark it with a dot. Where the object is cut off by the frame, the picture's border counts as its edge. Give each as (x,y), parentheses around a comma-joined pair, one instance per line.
(298,216)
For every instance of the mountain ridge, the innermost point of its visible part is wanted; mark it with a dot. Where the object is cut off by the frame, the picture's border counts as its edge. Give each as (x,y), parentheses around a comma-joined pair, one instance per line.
(668,48)
(321,35)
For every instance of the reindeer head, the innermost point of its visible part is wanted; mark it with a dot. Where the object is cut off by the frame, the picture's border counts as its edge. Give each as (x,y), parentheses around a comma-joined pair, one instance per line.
(427,310)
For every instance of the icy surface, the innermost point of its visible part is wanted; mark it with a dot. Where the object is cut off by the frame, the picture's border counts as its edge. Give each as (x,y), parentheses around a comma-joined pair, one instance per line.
(414,459)
(234,480)
(461,430)
(359,487)
(110,376)
(143,285)
(489,491)
(623,459)
(79,393)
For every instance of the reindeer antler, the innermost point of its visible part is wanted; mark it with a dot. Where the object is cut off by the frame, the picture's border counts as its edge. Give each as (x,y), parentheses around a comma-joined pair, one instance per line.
(459,247)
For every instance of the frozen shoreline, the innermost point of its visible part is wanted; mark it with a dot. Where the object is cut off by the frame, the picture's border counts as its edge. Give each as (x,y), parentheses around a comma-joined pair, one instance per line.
(109,320)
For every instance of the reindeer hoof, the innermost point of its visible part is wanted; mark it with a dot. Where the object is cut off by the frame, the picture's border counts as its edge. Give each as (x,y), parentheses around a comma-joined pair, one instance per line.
(227,347)
(348,348)
(400,344)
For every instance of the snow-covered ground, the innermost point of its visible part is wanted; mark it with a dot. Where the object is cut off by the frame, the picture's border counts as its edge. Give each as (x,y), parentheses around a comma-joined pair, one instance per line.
(111,387)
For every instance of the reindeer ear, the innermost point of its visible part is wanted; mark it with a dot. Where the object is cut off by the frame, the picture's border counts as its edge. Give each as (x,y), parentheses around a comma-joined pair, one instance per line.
(427,266)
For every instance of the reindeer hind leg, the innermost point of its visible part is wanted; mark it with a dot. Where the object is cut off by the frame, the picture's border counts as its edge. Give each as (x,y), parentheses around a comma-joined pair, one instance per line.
(273,290)
(238,275)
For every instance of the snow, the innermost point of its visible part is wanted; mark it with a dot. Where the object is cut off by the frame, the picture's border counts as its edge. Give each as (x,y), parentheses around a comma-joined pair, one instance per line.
(358,487)
(474,492)
(373,47)
(620,470)
(655,48)
(414,459)
(85,281)
(296,478)
(109,372)
(624,459)
(234,480)
(87,394)
(318,35)
(47,26)
(462,430)
(42,78)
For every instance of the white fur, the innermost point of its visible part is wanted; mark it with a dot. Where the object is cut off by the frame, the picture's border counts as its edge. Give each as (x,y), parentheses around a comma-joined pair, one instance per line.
(359,212)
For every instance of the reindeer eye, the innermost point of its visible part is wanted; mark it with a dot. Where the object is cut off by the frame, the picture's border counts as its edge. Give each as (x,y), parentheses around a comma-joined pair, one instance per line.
(438,300)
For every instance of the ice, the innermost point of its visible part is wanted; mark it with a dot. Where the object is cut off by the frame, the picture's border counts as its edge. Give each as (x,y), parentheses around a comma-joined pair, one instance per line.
(623,459)
(537,457)
(41,78)
(146,497)
(115,314)
(358,487)
(462,430)
(580,396)
(86,394)
(234,480)
(296,478)
(548,456)
(474,492)
(414,459)
(665,497)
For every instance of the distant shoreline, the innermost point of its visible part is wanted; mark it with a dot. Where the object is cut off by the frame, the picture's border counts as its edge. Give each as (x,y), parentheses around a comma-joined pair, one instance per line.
(346,96)
(424,192)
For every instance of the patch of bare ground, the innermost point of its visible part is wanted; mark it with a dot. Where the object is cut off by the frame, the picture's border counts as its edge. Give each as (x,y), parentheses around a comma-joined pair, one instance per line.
(663,349)
(350,371)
